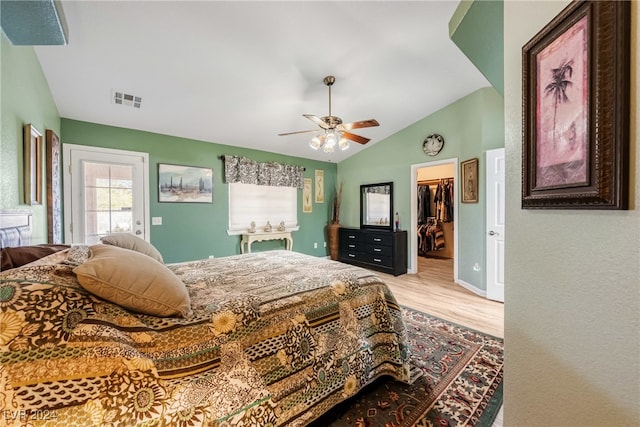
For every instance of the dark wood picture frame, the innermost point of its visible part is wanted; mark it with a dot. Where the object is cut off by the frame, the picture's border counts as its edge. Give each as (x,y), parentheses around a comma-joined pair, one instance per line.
(469,172)
(575,93)
(32,158)
(54,188)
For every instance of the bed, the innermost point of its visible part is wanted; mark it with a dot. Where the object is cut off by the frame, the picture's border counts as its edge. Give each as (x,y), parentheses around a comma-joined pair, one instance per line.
(15,228)
(266,339)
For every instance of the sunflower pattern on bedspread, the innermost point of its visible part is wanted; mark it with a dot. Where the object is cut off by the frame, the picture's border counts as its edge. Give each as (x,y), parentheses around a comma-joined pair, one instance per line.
(276,338)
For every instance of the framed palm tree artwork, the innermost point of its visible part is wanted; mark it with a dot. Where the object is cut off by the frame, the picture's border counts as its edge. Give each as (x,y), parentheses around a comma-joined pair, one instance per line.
(576,109)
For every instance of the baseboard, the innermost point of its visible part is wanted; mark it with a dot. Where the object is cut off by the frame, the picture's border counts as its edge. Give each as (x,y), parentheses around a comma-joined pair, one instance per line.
(470,287)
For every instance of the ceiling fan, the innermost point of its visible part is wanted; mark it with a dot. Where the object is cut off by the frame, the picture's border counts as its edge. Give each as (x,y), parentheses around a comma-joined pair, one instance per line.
(332,131)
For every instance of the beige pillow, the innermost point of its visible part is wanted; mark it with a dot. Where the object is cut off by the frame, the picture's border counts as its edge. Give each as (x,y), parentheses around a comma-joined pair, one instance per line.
(135,243)
(134,281)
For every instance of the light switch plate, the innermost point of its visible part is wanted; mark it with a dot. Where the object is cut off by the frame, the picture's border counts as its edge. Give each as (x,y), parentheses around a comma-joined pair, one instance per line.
(156,220)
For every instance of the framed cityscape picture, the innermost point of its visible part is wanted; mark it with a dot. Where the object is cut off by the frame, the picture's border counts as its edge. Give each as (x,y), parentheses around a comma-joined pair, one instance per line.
(184,184)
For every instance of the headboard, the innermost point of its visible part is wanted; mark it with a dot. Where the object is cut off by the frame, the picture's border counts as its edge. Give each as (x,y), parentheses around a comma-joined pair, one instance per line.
(15,228)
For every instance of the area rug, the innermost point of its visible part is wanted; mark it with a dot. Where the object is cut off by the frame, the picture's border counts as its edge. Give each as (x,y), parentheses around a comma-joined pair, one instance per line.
(460,385)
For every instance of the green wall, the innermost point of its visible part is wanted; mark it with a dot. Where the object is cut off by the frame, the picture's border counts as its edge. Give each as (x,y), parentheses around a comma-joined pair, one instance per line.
(26,98)
(470,126)
(476,27)
(195,231)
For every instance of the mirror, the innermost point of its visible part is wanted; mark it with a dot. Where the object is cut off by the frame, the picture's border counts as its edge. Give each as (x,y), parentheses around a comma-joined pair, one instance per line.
(376,206)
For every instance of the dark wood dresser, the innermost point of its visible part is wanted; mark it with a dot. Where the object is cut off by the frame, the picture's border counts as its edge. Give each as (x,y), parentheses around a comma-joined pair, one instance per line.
(380,250)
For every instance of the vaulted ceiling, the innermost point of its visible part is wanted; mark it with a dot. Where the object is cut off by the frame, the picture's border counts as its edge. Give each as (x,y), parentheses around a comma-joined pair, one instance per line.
(239,73)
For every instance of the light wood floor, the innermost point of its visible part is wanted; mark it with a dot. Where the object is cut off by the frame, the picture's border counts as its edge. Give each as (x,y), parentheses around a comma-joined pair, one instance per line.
(432,290)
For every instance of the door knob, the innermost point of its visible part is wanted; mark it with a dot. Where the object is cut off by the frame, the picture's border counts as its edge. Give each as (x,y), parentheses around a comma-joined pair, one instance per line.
(492,233)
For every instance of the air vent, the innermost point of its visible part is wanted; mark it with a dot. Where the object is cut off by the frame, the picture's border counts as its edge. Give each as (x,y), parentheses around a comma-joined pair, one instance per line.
(127,99)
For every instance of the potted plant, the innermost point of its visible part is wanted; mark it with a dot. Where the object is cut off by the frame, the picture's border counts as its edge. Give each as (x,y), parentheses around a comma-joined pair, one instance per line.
(334,225)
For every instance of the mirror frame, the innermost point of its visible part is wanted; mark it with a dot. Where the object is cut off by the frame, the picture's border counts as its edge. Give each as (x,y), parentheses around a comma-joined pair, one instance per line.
(362,213)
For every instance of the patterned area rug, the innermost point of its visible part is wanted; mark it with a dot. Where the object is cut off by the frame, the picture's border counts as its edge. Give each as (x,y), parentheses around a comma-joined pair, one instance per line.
(461,382)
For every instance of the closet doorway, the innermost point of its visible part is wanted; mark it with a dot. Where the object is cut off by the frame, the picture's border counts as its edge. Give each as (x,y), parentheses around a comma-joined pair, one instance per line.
(435,233)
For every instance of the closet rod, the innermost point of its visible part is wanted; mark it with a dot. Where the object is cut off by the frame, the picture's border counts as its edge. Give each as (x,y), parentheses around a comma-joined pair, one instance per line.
(433,181)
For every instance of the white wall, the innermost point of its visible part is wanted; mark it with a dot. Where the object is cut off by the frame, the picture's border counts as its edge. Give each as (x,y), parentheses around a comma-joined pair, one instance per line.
(572,304)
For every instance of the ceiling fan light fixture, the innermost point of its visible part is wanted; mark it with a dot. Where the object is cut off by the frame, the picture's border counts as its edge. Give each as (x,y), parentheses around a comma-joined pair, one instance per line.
(332,131)
(331,139)
(315,142)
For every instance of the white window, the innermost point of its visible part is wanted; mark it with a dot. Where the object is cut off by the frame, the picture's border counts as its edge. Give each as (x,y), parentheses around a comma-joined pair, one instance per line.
(261,203)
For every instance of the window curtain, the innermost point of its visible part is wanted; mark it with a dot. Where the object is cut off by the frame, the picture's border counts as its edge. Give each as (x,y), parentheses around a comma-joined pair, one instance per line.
(247,171)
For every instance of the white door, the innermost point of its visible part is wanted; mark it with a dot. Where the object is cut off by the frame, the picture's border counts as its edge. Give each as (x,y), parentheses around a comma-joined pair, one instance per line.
(105,191)
(495,224)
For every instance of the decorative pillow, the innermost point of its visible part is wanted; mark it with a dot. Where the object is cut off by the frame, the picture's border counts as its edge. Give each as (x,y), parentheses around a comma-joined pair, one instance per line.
(135,243)
(77,254)
(134,281)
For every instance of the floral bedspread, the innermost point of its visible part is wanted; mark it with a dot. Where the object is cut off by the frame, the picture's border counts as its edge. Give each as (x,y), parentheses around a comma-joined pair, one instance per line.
(276,338)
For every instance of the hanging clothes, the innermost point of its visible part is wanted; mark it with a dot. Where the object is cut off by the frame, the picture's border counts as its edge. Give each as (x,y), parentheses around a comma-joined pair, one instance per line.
(450,201)
(424,203)
(443,199)
(430,232)
(430,237)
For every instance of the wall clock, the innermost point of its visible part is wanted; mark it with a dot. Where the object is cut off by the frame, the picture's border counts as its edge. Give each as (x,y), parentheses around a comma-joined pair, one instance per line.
(433,144)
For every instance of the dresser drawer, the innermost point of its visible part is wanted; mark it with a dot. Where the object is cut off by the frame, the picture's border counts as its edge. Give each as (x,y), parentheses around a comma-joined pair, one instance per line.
(353,245)
(385,239)
(379,250)
(349,235)
(383,261)
(347,255)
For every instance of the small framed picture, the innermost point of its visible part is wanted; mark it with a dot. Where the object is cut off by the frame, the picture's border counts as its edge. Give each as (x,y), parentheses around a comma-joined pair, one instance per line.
(319,186)
(32,165)
(307,207)
(469,170)
(184,184)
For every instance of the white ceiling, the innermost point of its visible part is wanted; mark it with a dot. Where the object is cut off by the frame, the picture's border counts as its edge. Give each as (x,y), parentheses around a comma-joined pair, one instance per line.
(239,73)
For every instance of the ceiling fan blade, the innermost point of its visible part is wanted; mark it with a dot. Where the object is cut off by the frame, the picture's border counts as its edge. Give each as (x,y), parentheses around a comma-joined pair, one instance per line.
(360,124)
(356,138)
(298,131)
(317,120)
